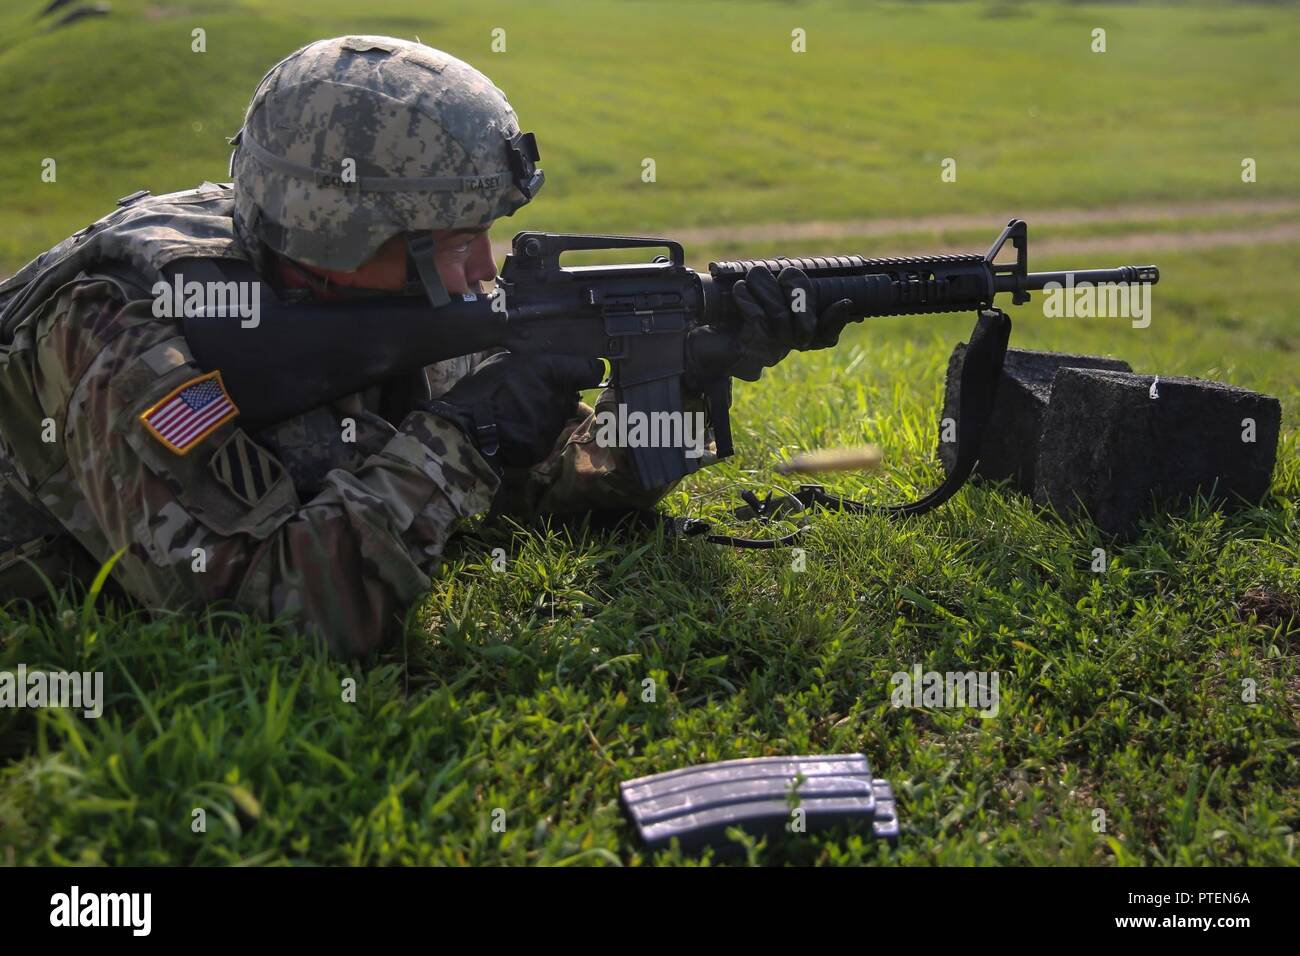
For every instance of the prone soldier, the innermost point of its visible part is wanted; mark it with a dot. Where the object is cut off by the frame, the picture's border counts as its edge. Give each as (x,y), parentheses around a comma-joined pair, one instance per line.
(365,166)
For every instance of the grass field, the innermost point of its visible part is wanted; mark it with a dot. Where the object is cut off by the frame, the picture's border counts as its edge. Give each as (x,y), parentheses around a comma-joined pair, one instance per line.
(522,690)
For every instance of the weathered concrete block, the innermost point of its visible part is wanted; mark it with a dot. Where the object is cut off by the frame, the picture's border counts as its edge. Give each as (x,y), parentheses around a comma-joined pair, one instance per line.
(1111,446)
(1010,446)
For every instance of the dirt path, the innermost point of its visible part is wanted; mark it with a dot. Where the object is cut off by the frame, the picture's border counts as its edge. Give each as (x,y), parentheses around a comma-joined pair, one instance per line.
(913,239)
(1136,241)
(1165,241)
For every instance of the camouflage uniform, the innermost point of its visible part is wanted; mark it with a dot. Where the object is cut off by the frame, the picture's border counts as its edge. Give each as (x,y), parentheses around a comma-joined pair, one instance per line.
(339,535)
(342,536)
(346,143)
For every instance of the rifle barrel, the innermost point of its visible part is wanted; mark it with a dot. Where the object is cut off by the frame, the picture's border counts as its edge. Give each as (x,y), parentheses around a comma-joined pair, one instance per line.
(1148,275)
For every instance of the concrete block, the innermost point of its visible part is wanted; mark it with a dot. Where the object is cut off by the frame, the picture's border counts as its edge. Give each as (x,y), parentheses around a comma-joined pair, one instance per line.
(1111,446)
(1010,445)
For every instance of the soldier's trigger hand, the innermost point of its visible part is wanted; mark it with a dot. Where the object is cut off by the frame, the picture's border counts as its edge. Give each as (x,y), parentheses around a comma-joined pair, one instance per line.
(513,407)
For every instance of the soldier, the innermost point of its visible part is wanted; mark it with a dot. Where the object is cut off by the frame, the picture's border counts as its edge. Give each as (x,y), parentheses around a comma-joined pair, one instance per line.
(115,439)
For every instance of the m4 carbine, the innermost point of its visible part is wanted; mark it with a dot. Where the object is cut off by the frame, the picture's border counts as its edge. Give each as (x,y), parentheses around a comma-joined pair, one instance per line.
(638,316)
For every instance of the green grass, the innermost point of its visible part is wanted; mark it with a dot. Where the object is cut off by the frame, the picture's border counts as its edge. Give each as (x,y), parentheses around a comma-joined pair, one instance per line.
(522,690)
(741,128)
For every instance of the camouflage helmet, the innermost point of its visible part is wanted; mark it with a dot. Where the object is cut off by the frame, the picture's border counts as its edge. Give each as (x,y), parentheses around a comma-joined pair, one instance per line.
(351,141)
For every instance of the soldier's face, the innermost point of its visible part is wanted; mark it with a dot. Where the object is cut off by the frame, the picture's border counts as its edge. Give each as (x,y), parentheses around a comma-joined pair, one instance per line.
(463,258)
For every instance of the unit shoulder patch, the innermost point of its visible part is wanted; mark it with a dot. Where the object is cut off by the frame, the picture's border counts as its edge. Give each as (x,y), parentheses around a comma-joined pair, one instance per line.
(190,413)
(245,469)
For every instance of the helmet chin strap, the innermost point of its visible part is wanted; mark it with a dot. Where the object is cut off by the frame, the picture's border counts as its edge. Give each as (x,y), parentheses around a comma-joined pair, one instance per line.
(419,252)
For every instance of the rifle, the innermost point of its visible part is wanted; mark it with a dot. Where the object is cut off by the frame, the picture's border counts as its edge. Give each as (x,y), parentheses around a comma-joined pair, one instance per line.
(637,316)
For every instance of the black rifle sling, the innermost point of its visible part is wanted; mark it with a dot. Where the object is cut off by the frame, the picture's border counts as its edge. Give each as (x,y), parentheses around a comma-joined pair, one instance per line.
(980,372)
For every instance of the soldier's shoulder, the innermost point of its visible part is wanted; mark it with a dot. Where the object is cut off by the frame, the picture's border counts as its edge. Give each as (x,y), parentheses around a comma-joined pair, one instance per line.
(93,310)
(91,327)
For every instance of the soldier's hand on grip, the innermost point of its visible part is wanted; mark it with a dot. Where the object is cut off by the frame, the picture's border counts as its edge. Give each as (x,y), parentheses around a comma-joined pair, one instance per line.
(513,407)
(780,313)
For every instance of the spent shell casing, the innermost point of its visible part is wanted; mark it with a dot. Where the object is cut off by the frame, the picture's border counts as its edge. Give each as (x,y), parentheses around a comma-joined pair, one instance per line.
(863,457)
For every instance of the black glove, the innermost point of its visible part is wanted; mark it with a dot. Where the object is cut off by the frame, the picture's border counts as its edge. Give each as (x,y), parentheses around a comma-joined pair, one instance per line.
(513,407)
(774,319)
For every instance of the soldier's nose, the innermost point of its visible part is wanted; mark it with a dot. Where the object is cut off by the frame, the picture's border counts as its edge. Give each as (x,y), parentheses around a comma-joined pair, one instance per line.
(484,271)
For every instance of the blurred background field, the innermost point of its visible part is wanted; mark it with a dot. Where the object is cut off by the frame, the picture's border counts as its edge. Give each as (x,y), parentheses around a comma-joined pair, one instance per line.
(520,690)
(742,129)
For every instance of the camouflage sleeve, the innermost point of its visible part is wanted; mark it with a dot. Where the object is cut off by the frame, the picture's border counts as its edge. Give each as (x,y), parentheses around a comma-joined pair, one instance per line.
(222,520)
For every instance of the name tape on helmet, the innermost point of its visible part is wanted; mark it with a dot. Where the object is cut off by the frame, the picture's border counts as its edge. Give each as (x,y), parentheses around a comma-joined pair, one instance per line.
(524,172)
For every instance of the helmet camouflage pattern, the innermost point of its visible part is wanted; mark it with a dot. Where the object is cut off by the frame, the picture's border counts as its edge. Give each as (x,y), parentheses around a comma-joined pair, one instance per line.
(351,141)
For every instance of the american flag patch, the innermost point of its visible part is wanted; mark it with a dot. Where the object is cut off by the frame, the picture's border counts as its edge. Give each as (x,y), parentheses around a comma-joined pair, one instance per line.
(190,413)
